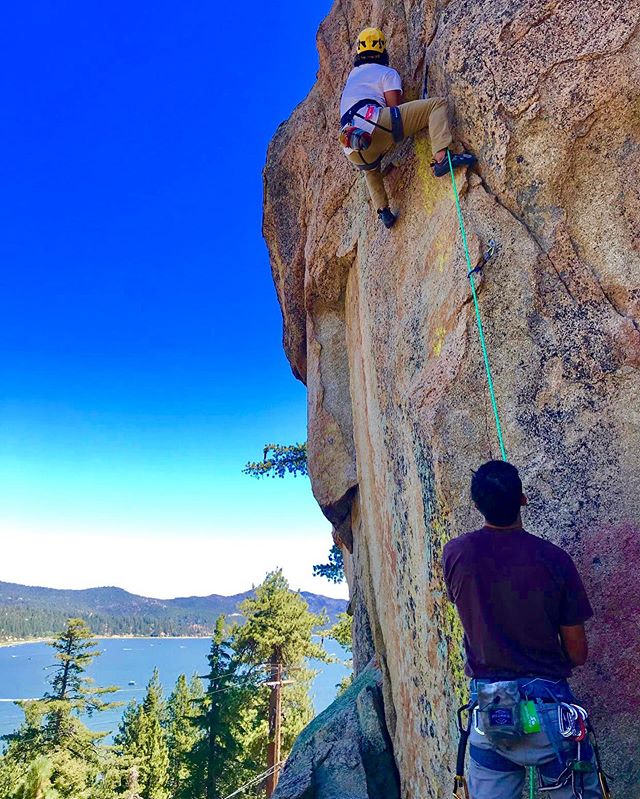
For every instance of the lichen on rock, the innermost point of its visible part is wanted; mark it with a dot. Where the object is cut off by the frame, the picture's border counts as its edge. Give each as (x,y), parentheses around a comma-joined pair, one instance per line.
(380,326)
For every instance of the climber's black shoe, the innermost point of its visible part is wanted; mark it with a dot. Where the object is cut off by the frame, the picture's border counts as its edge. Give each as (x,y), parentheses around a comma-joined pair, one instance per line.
(387,218)
(441,168)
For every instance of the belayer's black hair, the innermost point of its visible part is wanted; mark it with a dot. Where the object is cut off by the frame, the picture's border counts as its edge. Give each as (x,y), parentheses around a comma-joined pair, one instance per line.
(496,489)
(371,57)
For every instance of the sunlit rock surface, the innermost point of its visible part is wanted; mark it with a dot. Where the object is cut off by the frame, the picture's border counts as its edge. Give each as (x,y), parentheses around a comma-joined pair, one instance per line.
(380,326)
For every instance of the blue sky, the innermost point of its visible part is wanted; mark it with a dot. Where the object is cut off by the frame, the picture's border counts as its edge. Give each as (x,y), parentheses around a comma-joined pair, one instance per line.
(140,345)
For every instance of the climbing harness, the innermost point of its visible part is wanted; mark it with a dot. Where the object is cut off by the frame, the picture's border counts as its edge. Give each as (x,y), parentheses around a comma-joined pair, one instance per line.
(485,355)
(460,789)
(504,709)
(574,725)
(397,128)
(351,135)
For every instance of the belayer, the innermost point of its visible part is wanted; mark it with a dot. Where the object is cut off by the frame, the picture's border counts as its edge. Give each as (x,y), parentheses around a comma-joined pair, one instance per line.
(523,606)
(372,119)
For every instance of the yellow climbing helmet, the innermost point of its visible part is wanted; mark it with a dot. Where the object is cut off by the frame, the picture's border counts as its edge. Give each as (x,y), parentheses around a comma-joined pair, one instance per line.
(371,40)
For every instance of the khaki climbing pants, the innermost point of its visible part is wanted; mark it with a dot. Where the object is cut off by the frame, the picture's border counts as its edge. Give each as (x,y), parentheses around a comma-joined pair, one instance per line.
(416,115)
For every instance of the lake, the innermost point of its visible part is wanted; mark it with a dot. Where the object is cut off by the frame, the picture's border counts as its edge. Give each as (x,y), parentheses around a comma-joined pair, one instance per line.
(24,670)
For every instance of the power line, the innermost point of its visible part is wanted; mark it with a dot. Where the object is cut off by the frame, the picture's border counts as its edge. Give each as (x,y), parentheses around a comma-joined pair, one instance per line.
(234,687)
(232,671)
(256,780)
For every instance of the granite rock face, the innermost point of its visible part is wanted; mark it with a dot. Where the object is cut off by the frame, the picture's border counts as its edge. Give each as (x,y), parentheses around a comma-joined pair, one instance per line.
(345,753)
(380,326)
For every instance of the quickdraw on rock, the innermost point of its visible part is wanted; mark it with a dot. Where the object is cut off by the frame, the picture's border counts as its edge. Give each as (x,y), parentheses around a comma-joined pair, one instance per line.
(485,258)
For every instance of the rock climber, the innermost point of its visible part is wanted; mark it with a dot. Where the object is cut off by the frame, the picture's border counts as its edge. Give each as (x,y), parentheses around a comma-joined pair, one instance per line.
(372,119)
(523,607)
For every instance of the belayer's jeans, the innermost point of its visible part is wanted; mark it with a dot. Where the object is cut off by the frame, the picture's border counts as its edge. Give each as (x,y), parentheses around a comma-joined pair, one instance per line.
(498,771)
(416,115)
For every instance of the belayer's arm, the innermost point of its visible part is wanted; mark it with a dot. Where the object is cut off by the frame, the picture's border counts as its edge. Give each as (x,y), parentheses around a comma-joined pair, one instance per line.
(393,98)
(574,643)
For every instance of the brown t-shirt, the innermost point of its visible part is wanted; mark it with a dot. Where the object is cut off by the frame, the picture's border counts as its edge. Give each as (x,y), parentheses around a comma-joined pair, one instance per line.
(513,592)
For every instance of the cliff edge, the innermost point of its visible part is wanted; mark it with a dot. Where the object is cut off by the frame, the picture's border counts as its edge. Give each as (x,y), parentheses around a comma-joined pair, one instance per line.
(380,326)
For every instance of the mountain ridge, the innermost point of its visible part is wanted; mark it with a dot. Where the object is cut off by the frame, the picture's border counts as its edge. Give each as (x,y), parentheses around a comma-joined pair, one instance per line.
(27,611)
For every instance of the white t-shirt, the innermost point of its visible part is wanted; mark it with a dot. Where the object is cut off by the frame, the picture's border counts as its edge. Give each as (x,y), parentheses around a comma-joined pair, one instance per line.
(368,82)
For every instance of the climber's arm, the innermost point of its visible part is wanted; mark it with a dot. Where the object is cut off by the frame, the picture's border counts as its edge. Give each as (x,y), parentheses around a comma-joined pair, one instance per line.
(393,98)
(574,643)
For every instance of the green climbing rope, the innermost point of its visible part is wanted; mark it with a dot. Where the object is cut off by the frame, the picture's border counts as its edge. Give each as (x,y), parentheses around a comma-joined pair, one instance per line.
(483,344)
(532,786)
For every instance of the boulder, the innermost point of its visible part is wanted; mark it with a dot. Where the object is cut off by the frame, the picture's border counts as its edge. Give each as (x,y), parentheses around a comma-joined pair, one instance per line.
(346,752)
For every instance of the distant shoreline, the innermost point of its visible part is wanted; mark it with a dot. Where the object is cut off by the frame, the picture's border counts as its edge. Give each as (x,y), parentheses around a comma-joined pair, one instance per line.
(22,641)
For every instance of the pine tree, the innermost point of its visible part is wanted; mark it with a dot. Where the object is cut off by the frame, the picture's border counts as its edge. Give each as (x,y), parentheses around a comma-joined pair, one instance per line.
(221,759)
(183,734)
(297,708)
(342,632)
(12,772)
(37,782)
(142,741)
(279,632)
(278,625)
(279,460)
(53,727)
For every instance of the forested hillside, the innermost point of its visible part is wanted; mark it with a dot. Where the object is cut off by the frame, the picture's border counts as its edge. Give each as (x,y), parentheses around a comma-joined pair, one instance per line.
(34,612)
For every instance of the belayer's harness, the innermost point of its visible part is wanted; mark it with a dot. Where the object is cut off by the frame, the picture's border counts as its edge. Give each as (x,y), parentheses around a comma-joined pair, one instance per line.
(396,129)
(500,719)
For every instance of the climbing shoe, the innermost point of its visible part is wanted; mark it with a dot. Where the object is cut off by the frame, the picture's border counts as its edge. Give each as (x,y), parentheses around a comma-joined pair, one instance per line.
(441,168)
(387,218)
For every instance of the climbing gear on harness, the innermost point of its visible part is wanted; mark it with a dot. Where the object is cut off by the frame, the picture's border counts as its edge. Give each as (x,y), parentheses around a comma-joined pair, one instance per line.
(387,218)
(355,138)
(476,305)
(499,710)
(440,168)
(572,721)
(529,717)
(348,131)
(574,725)
(460,789)
(351,134)
(540,701)
(371,40)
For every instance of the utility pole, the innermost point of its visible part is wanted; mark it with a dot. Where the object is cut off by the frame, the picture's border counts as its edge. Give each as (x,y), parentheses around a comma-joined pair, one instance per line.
(275,722)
